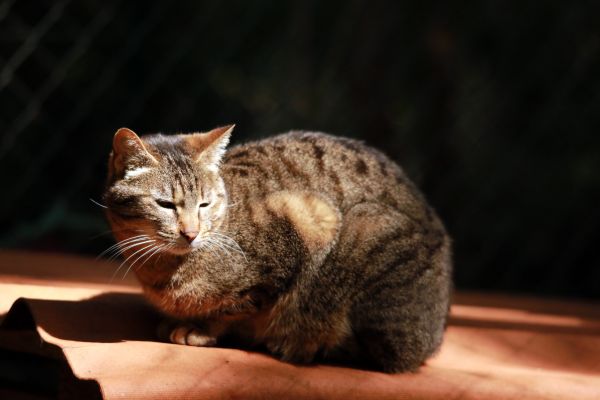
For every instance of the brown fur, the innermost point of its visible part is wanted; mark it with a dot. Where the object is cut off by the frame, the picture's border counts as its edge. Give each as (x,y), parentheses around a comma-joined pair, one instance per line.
(329,251)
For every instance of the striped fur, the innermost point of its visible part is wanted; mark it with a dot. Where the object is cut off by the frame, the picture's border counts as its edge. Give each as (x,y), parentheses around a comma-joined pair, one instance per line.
(315,246)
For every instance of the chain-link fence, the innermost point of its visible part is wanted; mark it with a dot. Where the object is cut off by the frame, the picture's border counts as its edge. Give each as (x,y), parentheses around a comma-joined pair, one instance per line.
(492,108)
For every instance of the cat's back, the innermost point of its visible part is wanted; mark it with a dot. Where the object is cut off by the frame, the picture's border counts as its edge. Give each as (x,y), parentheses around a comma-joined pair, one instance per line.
(343,170)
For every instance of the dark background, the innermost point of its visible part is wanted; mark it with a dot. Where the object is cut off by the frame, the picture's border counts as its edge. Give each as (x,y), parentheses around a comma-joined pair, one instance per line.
(492,107)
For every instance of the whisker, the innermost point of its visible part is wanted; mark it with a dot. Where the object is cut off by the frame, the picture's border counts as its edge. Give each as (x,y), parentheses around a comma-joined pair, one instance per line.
(226,237)
(222,235)
(227,245)
(119,250)
(215,242)
(128,240)
(156,250)
(128,258)
(98,204)
(230,243)
(150,250)
(169,246)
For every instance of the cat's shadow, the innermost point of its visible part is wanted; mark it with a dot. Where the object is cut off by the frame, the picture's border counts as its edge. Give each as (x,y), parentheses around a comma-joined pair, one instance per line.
(116,317)
(105,318)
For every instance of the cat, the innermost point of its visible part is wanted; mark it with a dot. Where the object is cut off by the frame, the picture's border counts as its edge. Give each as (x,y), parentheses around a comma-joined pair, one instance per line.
(313,246)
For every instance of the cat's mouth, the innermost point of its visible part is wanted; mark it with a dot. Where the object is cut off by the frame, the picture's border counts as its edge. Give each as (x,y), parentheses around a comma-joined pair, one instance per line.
(182,246)
(180,250)
(215,242)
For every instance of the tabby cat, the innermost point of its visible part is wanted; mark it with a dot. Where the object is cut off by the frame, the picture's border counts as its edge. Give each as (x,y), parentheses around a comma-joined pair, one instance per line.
(312,246)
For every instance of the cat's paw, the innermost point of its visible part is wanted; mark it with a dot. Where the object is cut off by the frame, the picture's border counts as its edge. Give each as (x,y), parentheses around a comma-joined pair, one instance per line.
(184,333)
(189,335)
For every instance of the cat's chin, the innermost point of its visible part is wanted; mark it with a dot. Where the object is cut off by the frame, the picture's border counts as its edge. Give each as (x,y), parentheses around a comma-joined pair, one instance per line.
(180,250)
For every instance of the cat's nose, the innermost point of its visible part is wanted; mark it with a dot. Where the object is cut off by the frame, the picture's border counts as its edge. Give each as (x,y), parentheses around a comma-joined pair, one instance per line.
(189,235)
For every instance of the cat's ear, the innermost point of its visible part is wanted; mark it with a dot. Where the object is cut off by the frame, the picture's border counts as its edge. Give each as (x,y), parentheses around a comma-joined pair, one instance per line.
(210,147)
(129,152)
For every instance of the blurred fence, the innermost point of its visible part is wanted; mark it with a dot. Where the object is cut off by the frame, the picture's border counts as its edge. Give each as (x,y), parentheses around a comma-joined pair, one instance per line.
(492,108)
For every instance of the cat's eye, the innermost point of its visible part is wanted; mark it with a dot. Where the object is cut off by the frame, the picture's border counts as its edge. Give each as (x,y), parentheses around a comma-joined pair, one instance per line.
(205,204)
(166,204)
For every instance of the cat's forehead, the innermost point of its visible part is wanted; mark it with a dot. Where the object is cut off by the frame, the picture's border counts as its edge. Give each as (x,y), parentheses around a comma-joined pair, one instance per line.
(177,162)
(177,174)
(169,151)
(174,157)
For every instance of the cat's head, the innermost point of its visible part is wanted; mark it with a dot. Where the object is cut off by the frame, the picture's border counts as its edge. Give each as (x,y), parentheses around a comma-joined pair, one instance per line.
(167,190)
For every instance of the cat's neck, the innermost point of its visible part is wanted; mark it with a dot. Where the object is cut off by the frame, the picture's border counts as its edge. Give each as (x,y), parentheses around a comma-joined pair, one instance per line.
(158,271)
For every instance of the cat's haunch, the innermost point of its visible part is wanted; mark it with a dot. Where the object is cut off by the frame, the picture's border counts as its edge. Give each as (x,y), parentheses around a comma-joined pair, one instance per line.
(314,246)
